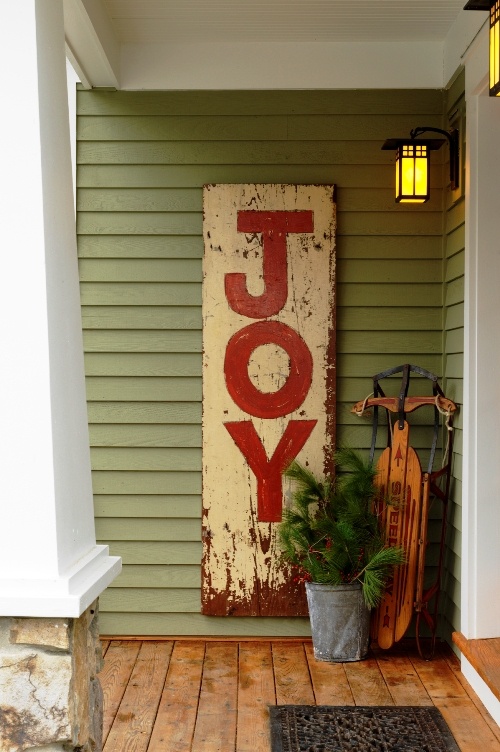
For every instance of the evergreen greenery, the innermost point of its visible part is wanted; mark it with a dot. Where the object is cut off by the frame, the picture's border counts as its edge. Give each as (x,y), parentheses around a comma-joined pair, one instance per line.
(332,535)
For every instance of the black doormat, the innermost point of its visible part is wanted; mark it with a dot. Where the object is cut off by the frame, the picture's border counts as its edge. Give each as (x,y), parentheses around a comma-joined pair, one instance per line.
(324,728)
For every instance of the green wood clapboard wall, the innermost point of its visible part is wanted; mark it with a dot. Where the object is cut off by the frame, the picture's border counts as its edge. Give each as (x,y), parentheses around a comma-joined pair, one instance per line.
(454,264)
(142,160)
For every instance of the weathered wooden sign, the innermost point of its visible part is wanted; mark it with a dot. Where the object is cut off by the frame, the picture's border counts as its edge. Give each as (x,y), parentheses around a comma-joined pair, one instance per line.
(268,381)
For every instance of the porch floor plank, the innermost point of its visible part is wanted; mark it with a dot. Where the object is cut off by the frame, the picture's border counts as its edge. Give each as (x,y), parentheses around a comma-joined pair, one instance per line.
(196,695)
(470,730)
(133,724)
(367,683)
(329,681)
(402,680)
(255,693)
(291,672)
(215,728)
(176,717)
(119,661)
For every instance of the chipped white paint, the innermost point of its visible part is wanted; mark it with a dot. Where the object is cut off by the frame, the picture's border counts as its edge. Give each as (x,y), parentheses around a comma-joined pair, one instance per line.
(241,571)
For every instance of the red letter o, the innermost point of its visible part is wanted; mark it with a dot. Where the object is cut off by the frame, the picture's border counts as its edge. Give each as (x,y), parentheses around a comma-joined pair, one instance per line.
(244,393)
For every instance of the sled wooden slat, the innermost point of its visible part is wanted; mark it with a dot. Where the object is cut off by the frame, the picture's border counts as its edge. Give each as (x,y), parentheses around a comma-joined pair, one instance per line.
(400,479)
(410,536)
(389,606)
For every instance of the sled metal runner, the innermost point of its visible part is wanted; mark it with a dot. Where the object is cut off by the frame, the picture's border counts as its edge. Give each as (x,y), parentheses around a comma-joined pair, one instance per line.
(406,495)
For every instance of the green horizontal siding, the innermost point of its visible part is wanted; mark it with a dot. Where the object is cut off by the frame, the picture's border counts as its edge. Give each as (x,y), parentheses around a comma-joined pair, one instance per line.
(143,158)
(248,103)
(453,348)
(130,177)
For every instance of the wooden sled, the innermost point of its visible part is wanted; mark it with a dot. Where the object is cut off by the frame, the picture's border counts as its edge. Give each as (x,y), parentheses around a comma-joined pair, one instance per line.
(403,507)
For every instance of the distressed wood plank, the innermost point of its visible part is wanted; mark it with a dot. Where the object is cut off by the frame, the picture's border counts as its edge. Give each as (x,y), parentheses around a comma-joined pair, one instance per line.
(367,683)
(329,681)
(175,722)
(243,574)
(216,721)
(133,724)
(438,678)
(292,679)
(118,665)
(255,694)
(403,682)
(467,725)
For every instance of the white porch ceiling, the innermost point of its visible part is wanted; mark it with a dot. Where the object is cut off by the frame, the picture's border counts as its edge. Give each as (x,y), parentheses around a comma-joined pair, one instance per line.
(233,44)
(188,21)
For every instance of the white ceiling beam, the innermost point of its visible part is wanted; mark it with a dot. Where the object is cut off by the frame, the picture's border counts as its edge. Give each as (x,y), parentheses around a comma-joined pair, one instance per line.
(262,65)
(91,44)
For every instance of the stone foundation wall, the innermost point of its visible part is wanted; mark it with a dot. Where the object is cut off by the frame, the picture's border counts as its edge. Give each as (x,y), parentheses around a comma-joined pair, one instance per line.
(50,696)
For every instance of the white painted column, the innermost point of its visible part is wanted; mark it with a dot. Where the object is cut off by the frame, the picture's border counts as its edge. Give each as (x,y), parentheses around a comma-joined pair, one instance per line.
(481,497)
(50,564)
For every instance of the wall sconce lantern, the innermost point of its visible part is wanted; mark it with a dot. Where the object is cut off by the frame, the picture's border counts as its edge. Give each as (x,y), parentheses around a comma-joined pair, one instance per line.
(413,163)
(493,6)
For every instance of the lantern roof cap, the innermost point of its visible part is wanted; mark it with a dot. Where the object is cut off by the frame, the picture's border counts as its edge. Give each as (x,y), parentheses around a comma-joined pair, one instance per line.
(432,143)
(479,4)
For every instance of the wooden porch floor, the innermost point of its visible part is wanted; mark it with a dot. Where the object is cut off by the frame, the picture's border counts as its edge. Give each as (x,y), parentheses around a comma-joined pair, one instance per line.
(187,695)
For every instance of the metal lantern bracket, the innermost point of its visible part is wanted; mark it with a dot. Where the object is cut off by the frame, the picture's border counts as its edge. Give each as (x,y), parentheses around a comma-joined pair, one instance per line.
(452,137)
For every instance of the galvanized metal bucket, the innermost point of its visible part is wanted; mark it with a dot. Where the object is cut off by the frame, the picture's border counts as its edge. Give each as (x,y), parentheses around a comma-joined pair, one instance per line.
(340,622)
